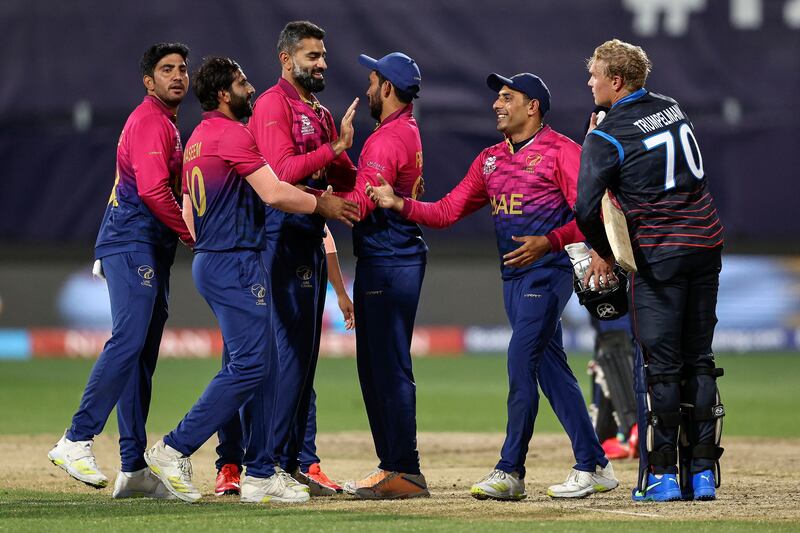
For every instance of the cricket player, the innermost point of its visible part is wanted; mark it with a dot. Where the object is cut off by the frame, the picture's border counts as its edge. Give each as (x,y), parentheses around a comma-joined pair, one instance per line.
(297,135)
(646,154)
(529,179)
(135,248)
(225,182)
(390,264)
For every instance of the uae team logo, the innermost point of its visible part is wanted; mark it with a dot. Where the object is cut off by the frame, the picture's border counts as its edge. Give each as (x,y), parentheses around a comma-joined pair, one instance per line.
(304,273)
(531,161)
(260,292)
(147,273)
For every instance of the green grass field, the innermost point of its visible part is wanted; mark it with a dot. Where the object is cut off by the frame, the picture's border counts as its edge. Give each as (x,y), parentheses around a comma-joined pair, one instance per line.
(454,395)
(468,394)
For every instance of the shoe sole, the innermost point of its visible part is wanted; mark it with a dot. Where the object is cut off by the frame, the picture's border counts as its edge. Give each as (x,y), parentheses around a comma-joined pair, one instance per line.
(76,475)
(275,499)
(227,492)
(131,495)
(584,493)
(673,498)
(480,494)
(157,471)
(366,494)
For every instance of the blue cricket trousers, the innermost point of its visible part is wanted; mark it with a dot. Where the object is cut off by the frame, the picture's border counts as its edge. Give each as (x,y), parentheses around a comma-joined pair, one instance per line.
(536,358)
(138,287)
(299,278)
(385,299)
(236,286)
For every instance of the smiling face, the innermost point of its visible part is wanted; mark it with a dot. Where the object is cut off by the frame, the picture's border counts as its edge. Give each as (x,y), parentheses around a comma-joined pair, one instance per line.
(603,87)
(170,80)
(307,64)
(514,111)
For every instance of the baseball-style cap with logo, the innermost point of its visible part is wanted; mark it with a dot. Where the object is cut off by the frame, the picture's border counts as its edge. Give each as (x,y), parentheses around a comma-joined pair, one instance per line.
(398,68)
(527,83)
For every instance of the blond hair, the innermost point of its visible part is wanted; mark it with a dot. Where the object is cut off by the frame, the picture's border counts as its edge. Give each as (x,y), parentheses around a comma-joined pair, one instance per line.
(628,61)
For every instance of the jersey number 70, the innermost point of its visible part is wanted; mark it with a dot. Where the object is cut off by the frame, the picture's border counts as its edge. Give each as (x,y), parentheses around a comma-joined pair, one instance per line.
(666,138)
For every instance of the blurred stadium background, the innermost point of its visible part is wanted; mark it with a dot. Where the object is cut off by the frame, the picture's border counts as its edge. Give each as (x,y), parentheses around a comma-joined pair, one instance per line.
(70,78)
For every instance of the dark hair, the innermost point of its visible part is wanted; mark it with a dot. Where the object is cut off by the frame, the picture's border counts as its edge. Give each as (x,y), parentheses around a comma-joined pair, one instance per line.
(405,97)
(296,31)
(214,75)
(154,54)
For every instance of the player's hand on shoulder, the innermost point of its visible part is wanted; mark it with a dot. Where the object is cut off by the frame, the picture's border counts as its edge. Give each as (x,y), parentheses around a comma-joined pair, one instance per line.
(533,248)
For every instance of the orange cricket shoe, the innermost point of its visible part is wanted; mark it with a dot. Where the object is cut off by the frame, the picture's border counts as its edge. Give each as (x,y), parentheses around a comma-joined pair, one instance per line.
(316,475)
(386,485)
(228,479)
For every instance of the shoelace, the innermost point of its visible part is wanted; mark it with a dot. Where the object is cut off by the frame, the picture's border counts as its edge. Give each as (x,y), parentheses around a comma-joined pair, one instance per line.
(494,475)
(286,478)
(185,466)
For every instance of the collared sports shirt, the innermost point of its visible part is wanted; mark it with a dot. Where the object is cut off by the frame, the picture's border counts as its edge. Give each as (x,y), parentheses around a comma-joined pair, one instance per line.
(143,213)
(294,137)
(646,153)
(530,193)
(228,214)
(394,150)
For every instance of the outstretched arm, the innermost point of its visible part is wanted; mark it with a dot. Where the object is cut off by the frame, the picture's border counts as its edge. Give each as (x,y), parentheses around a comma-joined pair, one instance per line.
(465,198)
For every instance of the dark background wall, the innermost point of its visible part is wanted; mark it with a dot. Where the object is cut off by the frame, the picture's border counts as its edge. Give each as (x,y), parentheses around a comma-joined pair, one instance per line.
(70,77)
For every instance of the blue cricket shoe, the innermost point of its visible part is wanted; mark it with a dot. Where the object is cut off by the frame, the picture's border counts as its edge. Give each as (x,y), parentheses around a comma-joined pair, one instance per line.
(704,486)
(660,488)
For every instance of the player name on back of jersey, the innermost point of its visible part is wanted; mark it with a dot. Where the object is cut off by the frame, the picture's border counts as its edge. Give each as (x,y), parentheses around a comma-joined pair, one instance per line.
(661,119)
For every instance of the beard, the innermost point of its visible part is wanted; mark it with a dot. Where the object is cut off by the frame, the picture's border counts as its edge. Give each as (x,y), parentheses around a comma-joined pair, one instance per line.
(166,97)
(375,107)
(240,106)
(306,79)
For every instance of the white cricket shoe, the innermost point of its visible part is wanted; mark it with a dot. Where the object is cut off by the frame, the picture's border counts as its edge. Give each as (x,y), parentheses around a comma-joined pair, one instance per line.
(174,470)
(271,489)
(499,485)
(78,460)
(140,484)
(580,484)
(291,482)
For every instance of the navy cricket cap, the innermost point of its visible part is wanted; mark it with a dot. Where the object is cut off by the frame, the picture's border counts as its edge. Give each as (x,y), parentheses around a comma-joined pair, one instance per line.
(527,83)
(396,67)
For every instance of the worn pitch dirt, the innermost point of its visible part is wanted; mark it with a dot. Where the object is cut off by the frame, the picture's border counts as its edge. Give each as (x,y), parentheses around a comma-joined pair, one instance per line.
(761,478)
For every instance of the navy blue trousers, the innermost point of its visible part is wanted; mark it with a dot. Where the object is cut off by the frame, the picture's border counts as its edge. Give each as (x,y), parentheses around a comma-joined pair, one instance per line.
(385,300)
(138,286)
(536,358)
(236,287)
(674,315)
(299,277)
